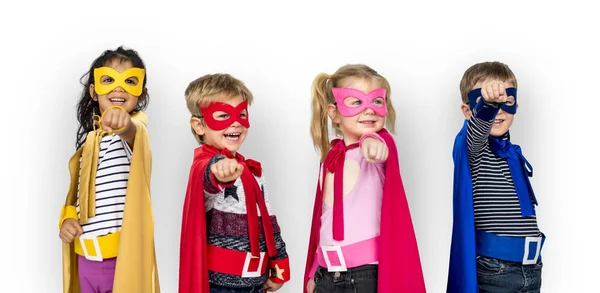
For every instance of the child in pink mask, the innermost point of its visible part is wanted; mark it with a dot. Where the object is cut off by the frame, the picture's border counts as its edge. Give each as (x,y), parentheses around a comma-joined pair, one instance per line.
(230,239)
(362,238)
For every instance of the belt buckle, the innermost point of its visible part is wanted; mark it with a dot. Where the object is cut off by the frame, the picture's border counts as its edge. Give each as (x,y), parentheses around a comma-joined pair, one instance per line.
(338,250)
(255,274)
(98,256)
(528,240)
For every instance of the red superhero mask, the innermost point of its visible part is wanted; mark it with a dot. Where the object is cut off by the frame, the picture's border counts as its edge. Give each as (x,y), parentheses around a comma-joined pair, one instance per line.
(234,113)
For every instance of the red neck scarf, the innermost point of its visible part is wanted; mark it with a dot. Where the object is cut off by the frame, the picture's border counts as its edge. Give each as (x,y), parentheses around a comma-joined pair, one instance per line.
(399,268)
(334,163)
(254,195)
(193,267)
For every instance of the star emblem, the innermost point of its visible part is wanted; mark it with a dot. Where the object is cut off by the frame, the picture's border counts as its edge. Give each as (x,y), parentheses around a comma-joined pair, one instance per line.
(277,272)
(231,191)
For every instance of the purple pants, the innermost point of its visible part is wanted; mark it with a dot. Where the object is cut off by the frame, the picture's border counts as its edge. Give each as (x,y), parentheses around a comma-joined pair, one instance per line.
(96,277)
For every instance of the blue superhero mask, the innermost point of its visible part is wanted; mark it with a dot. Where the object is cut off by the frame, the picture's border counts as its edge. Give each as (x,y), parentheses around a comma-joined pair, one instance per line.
(511,91)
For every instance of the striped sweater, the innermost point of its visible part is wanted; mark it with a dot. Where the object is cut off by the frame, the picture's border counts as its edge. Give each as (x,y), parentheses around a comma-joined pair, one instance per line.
(495,200)
(227,225)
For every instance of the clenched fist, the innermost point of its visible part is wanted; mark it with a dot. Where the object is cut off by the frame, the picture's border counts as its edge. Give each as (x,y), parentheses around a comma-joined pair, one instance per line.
(374,150)
(494,92)
(227,170)
(115,120)
(70,230)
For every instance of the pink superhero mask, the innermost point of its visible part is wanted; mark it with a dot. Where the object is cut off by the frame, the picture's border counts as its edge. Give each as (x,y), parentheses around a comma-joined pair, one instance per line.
(341,94)
(235,114)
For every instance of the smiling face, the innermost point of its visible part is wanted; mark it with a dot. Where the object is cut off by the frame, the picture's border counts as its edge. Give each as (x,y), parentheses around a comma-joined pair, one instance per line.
(233,135)
(367,121)
(118,96)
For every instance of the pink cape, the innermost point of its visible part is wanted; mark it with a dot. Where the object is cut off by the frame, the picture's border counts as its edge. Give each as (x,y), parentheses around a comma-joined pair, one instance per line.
(399,264)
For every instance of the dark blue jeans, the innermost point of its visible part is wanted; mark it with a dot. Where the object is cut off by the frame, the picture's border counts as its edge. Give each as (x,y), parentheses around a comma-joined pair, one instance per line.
(361,279)
(499,276)
(219,289)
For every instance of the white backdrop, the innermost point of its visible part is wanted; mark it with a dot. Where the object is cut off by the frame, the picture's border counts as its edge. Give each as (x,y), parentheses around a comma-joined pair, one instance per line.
(277,48)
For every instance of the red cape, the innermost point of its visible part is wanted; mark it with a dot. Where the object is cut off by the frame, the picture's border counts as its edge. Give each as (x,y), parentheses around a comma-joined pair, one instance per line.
(193,266)
(399,264)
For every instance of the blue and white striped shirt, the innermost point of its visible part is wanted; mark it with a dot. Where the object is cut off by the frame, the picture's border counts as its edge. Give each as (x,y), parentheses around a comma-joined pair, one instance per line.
(111,186)
(497,208)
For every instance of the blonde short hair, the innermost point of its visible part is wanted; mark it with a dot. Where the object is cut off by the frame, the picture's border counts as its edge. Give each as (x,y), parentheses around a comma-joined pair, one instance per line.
(483,71)
(211,88)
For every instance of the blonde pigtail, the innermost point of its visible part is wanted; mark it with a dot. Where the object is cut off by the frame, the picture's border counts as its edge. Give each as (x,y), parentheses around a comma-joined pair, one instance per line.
(319,129)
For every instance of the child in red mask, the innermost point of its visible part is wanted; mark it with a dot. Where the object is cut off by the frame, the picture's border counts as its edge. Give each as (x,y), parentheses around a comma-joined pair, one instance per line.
(230,239)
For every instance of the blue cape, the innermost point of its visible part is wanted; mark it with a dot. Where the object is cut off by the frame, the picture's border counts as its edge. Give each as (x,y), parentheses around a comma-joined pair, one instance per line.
(462,275)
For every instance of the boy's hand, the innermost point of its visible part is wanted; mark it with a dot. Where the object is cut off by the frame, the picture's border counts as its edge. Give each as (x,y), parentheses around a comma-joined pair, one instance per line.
(69,230)
(227,170)
(271,286)
(494,92)
(374,150)
(310,287)
(116,121)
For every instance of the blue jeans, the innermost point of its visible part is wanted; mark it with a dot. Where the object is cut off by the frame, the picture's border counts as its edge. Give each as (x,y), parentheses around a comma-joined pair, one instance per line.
(361,279)
(219,289)
(499,276)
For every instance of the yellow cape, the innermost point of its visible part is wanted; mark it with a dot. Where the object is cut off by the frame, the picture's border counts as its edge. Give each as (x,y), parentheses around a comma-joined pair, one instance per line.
(136,270)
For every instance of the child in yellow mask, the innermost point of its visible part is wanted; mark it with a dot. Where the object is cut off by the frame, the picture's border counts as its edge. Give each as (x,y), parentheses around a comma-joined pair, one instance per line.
(102,248)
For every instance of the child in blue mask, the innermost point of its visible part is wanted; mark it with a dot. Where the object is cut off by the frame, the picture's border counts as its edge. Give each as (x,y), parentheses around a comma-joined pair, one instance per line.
(496,242)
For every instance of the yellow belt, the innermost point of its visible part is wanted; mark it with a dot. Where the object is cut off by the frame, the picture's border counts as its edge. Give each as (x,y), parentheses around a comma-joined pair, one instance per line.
(98,248)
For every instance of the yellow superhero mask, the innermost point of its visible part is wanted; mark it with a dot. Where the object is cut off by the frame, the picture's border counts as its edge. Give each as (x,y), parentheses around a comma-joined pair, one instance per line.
(119,79)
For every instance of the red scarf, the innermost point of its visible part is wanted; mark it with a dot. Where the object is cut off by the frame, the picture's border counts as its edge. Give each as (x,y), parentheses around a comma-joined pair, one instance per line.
(399,269)
(334,163)
(193,267)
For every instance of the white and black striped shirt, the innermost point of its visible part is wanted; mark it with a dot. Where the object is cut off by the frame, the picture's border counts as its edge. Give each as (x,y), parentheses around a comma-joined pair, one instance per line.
(111,186)
(495,200)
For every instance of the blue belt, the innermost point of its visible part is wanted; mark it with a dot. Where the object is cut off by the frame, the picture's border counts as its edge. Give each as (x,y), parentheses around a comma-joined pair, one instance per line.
(525,250)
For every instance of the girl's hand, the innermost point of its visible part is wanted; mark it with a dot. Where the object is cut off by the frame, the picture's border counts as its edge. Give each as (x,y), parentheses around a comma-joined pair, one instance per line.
(69,230)
(310,287)
(227,170)
(374,150)
(116,120)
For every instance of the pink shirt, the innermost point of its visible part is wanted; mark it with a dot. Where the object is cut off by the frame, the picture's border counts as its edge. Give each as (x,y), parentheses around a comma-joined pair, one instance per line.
(362,204)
